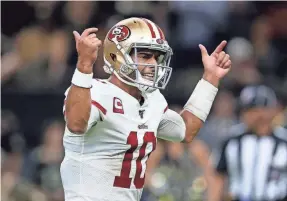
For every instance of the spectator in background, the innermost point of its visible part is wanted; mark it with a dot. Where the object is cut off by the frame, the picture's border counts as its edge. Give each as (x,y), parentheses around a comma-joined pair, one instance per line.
(39,55)
(241,15)
(244,64)
(269,37)
(254,157)
(196,22)
(42,166)
(12,139)
(13,147)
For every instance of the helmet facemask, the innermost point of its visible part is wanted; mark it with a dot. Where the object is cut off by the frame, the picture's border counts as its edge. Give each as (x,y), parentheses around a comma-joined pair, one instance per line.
(133,73)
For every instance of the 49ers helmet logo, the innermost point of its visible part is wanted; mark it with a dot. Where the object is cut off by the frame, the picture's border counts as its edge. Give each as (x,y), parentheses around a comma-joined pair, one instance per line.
(120,32)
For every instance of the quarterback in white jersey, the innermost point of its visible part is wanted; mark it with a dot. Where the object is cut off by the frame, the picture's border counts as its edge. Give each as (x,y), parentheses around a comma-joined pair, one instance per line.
(112,125)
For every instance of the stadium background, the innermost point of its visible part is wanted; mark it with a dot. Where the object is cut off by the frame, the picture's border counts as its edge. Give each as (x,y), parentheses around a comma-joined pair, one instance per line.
(38,58)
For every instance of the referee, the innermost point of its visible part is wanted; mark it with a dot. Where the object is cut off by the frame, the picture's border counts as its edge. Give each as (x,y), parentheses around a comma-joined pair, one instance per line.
(254,158)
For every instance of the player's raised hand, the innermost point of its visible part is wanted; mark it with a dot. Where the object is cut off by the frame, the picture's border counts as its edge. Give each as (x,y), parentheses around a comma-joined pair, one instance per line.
(87,46)
(218,63)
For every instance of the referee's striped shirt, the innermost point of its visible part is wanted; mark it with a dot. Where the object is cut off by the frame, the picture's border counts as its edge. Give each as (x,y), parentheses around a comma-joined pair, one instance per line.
(256,166)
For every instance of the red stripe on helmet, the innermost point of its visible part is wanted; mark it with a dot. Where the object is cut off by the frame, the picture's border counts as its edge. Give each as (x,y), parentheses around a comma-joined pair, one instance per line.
(150,28)
(160,33)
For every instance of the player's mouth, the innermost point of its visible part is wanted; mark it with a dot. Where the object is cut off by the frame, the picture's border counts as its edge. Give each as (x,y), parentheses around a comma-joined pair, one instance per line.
(149,76)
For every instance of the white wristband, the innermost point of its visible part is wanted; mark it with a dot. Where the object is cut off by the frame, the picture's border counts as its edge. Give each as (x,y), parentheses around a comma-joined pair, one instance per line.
(82,80)
(201,99)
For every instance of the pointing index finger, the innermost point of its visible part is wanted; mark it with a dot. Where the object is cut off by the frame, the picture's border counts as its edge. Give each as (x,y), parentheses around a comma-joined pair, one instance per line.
(220,47)
(89,31)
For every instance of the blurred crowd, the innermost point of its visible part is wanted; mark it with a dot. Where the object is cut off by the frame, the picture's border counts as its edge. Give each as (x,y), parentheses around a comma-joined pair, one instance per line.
(38,58)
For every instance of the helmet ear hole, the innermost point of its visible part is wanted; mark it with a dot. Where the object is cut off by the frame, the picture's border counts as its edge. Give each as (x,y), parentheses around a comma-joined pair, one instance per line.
(113,56)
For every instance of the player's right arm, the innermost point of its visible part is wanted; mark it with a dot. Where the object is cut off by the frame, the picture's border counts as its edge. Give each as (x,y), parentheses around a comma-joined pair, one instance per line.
(78,101)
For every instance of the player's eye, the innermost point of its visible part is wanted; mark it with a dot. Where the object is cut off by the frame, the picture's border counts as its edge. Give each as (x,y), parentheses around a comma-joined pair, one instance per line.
(146,55)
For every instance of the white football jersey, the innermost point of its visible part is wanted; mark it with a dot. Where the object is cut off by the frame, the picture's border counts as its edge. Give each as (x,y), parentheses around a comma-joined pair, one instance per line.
(108,162)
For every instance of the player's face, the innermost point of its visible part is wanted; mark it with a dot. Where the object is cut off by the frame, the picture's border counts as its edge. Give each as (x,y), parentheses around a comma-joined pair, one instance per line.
(259,118)
(146,57)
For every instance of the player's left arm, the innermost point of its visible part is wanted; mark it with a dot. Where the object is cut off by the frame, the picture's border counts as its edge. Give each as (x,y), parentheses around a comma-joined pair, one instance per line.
(186,125)
(197,108)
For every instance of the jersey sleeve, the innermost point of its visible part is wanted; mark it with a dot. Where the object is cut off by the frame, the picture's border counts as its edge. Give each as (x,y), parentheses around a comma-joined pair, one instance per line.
(171,127)
(95,115)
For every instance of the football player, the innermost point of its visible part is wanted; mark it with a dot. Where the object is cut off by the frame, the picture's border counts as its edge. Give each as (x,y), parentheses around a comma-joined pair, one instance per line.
(112,125)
